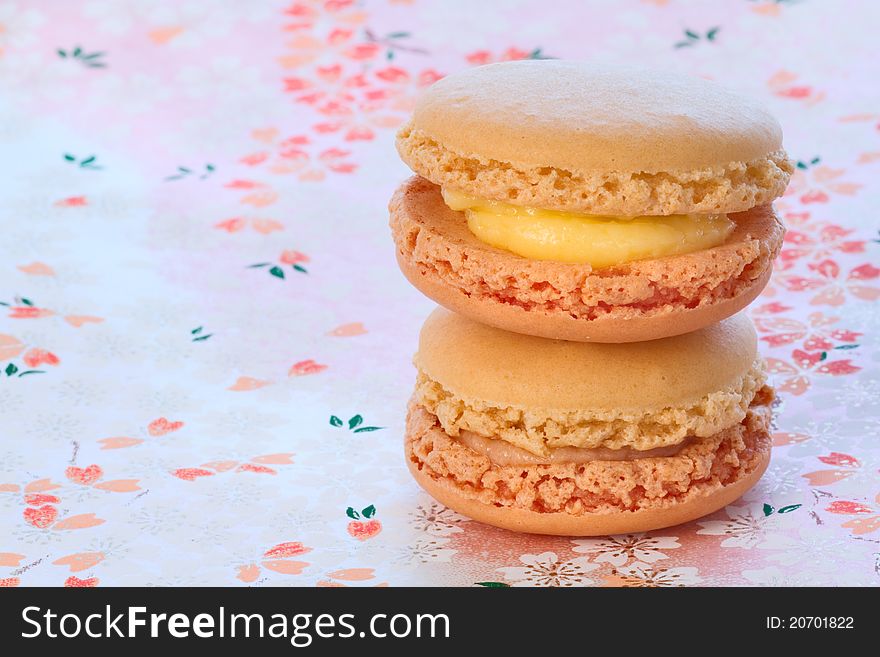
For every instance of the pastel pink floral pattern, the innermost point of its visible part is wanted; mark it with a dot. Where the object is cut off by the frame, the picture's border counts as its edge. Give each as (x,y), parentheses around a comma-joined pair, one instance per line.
(205,340)
(546,569)
(620,550)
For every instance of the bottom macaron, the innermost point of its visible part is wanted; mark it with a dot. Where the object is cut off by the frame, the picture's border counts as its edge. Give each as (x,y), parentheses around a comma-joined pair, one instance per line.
(585,439)
(589,499)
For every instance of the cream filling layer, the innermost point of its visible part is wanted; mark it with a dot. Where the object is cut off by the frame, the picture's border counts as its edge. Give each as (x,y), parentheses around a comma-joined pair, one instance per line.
(539,430)
(600,241)
(503,453)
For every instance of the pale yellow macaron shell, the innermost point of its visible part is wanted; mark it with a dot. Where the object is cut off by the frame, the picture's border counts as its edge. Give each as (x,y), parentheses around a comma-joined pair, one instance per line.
(540,394)
(576,116)
(479,362)
(573,136)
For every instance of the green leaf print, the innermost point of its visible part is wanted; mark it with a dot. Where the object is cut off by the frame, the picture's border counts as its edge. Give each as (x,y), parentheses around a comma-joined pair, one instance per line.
(789,508)
(86,163)
(183,172)
(369,512)
(90,60)
(493,585)
(277,272)
(355,423)
(351,513)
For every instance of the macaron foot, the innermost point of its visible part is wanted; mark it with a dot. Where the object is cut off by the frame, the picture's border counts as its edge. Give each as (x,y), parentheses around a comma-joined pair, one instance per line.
(594,498)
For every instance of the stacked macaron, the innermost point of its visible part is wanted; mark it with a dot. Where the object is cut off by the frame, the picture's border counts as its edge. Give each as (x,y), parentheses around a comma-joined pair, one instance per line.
(577,207)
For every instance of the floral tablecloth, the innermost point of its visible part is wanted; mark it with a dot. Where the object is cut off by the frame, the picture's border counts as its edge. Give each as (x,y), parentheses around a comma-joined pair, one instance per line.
(205,343)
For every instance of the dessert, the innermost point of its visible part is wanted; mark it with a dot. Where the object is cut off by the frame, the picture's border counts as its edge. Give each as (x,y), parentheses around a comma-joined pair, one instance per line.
(572,202)
(581,439)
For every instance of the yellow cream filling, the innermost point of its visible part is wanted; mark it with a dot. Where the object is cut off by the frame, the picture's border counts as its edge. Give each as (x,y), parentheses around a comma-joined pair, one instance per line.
(600,241)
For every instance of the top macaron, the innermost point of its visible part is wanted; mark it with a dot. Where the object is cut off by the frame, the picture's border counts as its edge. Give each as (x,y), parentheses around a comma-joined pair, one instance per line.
(565,135)
(567,200)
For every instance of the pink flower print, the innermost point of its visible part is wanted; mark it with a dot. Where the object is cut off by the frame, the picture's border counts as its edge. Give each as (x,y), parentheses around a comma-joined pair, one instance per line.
(844,465)
(772,8)
(480,57)
(361,51)
(287,550)
(277,559)
(28,312)
(190,474)
(867,520)
(259,469)
(41,517)
(348,330)
(816,184)
(295,84)
(797,370)
(822,240)
(238,224)
(781,84)
(42,513)
(37,499)
(771,308)
(848,508)
(392,74)
(317,34)
(161,426)
(356,104)
(254,158)
(364,529)
(72,202)
(305,367)
(76,582)
(256,465)
(36,357)
(85,476)
(296,156)
(233,225)
(293,257)
(10,347)
(333,159)
(817,334)
(37,269)
(796,92)
(248,383)
(830,289)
